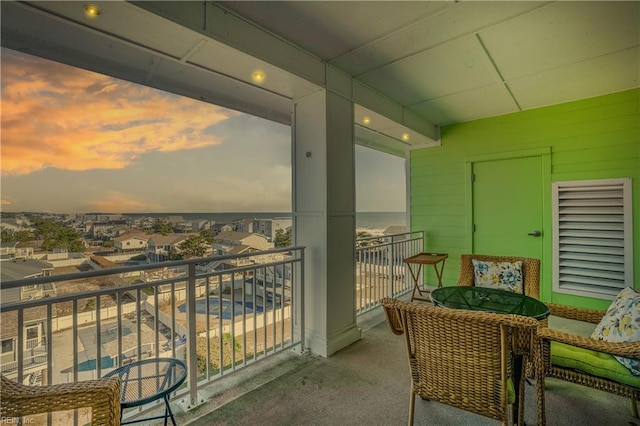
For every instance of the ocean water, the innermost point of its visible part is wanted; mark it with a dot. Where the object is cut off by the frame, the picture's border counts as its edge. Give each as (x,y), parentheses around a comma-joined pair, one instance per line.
(367,220)
(380,220)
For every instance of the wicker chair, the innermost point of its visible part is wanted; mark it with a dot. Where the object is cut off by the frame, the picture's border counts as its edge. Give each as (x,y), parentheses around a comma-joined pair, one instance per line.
(461,358)
(530,271)
(627,350)
(102,396)
(530,277)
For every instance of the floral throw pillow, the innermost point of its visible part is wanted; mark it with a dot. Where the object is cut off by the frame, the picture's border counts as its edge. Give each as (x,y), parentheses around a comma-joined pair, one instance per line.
(501,275)
(621,323)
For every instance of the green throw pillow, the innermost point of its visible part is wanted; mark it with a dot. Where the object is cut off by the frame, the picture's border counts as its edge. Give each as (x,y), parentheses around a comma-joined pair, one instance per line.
(621,323)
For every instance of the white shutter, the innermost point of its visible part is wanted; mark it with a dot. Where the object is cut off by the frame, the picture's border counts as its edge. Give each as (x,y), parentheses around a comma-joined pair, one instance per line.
(592,237)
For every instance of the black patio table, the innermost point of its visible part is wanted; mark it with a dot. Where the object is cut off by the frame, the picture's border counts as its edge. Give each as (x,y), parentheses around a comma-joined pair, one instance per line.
(149,380)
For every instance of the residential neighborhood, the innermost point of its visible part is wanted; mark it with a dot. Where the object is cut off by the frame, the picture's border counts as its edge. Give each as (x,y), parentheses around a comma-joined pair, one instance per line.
(157,239)
(42,245)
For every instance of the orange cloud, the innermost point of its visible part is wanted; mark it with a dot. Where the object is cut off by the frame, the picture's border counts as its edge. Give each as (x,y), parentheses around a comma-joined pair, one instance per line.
(58,116)
(118,202)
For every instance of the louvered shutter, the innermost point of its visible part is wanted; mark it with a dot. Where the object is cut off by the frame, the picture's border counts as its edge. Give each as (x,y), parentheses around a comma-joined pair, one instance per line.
(592,237)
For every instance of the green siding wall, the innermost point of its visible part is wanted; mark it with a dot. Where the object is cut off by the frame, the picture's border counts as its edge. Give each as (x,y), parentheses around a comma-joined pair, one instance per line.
(595,138)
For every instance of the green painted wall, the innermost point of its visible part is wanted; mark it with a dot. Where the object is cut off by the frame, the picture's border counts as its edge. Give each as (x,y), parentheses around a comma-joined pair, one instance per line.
(596,138)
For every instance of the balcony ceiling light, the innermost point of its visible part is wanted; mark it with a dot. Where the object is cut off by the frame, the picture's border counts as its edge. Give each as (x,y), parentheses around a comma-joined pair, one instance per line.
(405,137)
(258,77)
(366,120)
(91,10)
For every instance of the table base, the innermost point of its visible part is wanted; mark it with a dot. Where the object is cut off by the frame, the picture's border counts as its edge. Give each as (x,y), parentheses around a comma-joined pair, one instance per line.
(167,414)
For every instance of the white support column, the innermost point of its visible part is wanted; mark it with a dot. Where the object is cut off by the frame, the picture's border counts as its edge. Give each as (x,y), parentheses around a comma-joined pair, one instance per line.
(324,215)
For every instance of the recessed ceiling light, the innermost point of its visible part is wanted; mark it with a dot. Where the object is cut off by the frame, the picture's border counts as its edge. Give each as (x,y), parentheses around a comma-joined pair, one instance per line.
(258,77)
(366,120)
(91,10)
(405,137)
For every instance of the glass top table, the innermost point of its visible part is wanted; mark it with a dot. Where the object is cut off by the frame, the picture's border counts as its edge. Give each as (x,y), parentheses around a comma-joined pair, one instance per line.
(150,380)
(489,300)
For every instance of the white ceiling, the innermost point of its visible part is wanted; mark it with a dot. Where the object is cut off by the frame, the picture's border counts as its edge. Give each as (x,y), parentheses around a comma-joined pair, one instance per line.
(458,61)
(447,62)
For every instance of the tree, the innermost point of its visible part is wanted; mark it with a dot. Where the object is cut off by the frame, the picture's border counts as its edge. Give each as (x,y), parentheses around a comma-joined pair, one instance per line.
(7,235)
(23,236)
(283,239)
(163,227)
(173,254)
(360,235)
(364,239)
(57,235)
(207,234)
(194,246)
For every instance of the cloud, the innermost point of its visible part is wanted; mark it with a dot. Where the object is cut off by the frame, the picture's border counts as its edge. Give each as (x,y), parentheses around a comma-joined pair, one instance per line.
(118,202)
(267,190)
(4,202)
(58,116)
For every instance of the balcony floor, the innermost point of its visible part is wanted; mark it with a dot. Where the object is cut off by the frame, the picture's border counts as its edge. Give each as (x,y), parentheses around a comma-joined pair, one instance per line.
(367,383)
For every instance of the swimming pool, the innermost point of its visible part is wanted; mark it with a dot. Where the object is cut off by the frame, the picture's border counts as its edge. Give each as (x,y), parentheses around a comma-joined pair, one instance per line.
(228,309)
(111,334)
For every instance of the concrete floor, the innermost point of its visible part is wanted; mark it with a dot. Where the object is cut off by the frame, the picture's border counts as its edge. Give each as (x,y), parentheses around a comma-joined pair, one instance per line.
(367,383)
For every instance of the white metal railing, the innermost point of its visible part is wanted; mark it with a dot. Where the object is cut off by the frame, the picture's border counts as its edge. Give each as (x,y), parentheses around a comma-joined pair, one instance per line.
(380,271)
(217,321)
(35,343)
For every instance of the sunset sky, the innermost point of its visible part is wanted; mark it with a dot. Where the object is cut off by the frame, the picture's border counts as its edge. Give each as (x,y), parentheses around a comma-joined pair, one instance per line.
(75,141)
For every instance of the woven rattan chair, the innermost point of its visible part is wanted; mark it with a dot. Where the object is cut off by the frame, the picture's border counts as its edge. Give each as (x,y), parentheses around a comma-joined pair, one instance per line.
(627,350)
(530,271)
(461,358)
(102,396)
(530,278)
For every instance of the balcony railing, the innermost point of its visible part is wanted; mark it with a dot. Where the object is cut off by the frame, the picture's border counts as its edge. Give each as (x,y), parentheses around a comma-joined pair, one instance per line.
(219,314)
(218,321)
(380,271)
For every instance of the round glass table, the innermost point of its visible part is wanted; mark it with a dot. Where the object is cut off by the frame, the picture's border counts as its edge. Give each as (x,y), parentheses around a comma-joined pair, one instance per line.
(149,380)
(489,300)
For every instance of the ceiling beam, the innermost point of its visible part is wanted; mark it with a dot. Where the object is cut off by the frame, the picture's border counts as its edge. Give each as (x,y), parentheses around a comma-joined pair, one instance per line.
(226,27)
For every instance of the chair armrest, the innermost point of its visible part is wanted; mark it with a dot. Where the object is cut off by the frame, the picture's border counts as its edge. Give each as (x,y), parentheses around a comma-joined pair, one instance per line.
(626,349)
(102,395)
(589,315)
(393,315)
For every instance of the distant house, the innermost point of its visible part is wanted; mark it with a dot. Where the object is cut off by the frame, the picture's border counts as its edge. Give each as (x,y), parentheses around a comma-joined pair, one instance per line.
(219,228)
(234,242)
(10,225)
(130,243)
(183,227)
(99,229)
(160,247)
(24,268)
(200,225)
(244,225)
(34,348)
(11,251)
(173,219)
(269,227)
(34,320)
(58,253)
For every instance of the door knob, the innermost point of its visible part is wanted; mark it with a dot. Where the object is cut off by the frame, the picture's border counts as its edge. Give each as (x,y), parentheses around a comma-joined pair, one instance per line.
(535,233)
